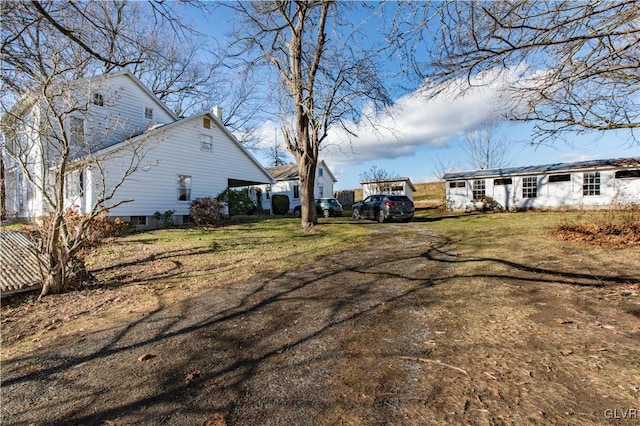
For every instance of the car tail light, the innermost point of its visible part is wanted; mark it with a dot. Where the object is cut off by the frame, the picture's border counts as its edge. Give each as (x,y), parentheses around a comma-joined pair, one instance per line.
(389,203)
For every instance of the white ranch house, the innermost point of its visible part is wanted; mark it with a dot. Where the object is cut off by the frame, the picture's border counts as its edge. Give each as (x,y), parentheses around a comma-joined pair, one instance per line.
(287,182)
(396,186)
(586,184)
(179,159)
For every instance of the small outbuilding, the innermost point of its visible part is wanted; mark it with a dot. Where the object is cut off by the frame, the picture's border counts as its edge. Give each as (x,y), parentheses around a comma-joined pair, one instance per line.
(396,186)
(585,184)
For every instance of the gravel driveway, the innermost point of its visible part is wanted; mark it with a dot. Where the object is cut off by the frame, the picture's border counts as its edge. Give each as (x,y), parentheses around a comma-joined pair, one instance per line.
(335,343)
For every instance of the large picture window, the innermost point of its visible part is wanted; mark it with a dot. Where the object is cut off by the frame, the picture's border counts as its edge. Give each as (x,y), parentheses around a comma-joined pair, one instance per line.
(529,187)
(591,184)
(479,189)
(184,188)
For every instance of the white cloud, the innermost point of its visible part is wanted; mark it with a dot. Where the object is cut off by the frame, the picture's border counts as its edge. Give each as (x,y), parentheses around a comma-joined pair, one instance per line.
(413,121)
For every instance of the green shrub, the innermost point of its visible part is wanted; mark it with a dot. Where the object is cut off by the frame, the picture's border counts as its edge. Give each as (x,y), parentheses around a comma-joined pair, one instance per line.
(238,202)
(280,204)
(206,211)
(164,219)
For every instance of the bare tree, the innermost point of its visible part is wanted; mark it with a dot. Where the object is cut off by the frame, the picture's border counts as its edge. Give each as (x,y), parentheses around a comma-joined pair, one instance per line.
(276,153)
(575,63)
(46,47)
(323,73)
(378,179)
(485,147)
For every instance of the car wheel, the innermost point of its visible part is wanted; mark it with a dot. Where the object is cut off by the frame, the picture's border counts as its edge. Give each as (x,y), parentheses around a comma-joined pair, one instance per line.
(355,214)
(380,216)
(326,213)
(297,212)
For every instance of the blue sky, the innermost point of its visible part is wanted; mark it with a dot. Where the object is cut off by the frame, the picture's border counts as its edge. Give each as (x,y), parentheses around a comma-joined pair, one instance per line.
(420,134)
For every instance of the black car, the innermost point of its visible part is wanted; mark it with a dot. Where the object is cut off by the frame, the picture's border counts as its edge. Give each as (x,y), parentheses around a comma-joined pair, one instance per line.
(381,207)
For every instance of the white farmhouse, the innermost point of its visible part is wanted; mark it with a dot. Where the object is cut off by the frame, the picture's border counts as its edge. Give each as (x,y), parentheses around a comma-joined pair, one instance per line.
(585,184)
(287,182)
(120,128)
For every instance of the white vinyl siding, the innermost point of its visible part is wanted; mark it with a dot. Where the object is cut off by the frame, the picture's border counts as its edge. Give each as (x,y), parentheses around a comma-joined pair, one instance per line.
(174,152)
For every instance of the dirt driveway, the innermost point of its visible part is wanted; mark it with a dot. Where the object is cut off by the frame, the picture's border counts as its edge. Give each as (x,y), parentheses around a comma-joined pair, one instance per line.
(398,333)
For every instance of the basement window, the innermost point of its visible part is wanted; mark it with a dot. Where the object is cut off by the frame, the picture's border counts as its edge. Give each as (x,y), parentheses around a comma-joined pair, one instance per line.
(503,181)
(560,178)
(138,220)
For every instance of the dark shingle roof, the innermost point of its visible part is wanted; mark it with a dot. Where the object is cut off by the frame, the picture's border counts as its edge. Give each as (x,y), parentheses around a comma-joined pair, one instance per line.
(546,168)
(19,270)
(290,171)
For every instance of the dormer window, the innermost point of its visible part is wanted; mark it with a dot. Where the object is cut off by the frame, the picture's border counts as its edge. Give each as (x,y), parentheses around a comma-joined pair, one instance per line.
(98,99)
(148,113)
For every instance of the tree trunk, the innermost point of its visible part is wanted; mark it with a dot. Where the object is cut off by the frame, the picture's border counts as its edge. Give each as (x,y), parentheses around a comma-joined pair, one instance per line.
(3,196)
(307,174)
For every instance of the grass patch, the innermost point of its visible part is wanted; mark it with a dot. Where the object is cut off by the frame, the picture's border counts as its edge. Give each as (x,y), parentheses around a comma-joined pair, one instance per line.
(201,258)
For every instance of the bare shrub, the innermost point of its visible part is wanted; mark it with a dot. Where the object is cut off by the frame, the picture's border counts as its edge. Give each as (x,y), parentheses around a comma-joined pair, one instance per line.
(614,226)
(206,211)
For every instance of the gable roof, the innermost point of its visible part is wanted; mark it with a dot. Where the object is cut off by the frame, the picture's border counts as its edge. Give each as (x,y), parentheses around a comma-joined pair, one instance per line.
(390,180)
(164,127)
(29,98)
(19,271)
(546,168)
(290,171)
(286,172)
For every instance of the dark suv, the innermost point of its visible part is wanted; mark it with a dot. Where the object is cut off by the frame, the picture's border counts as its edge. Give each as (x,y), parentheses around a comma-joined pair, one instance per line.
(381,207)
(328,207)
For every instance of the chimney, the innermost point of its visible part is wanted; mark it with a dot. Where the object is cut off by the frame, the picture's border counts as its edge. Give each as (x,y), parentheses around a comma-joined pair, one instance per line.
(217,111)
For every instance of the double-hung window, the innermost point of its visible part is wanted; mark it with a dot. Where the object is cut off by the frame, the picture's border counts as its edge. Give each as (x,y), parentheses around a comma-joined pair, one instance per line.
(296,191)
(148,113)
(184,188)
(98,99)
(206,143)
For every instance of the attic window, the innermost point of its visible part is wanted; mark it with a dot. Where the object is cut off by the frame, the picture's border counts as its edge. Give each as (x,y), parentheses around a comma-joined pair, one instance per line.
(98,99)
(622,174)
(560,178)
(148,113)
(206,122)
(502,181)
(206,143)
